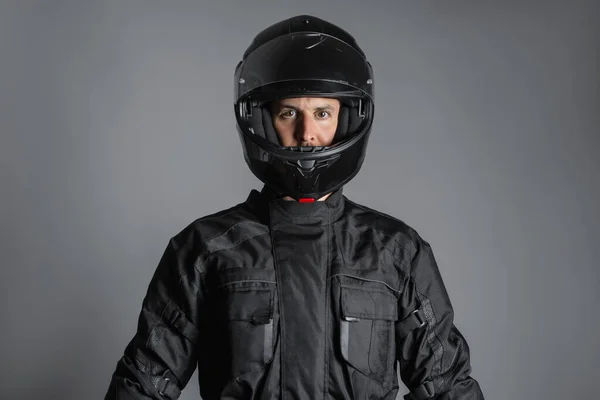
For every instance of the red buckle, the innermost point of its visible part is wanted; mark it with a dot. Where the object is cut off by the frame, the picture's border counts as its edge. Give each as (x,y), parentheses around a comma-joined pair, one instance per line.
(306,200)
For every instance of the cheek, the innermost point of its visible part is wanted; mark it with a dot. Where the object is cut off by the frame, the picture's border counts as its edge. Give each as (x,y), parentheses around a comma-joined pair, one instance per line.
(284,130)
(329,132)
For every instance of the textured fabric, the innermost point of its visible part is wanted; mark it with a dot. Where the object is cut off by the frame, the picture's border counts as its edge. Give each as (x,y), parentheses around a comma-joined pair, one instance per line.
(275,299)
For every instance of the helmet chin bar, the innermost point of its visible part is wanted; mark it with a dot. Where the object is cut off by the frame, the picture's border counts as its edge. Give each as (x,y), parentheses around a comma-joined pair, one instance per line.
(306,173)
(306,168)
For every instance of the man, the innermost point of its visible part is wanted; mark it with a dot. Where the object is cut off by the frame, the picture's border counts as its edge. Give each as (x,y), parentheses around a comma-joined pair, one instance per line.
(298,293)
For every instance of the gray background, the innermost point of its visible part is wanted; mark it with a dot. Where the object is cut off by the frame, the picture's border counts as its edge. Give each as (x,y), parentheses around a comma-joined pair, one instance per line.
(117,131)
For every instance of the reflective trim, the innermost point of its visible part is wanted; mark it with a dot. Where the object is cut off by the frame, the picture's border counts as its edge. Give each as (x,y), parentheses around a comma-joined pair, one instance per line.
(344,334)
(268,344)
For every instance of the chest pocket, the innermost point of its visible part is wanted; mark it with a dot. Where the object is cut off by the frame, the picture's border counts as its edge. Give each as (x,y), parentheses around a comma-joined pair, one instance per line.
(248,331)
(367,341)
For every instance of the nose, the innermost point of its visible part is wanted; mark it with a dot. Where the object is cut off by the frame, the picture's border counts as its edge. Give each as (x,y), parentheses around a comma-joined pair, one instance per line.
(306,130)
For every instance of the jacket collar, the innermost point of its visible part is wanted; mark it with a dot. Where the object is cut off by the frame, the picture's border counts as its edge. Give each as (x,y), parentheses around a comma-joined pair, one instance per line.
(272,208)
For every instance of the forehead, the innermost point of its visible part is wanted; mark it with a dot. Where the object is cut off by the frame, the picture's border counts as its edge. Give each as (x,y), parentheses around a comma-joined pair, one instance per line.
(307,102)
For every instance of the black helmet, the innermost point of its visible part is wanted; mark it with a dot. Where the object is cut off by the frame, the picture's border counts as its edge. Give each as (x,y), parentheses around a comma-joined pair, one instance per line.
(304,56)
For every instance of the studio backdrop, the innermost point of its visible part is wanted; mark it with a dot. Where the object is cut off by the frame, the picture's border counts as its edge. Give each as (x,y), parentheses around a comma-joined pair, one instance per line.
(117,131)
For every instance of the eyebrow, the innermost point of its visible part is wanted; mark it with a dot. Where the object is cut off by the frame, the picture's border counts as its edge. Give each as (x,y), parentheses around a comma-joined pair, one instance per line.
(319,108)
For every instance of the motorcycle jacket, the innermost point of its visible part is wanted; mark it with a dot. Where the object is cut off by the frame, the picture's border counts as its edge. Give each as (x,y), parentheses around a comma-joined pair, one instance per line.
(277,299)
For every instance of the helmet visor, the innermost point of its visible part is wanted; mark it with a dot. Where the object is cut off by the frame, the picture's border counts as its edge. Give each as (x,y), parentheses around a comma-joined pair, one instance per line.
(303,57)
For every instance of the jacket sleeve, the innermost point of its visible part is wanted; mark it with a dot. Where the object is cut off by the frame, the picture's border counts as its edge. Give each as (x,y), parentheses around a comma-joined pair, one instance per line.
(161,358)
(433,355)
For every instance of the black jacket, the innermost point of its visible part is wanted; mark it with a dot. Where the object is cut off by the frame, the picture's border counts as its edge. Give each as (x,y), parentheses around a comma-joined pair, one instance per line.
(275,299)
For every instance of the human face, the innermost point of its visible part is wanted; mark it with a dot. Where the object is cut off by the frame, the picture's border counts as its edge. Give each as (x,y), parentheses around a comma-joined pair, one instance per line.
(305,121)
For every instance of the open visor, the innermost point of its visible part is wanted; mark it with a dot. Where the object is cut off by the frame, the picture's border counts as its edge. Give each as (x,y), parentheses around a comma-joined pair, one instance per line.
(303,63)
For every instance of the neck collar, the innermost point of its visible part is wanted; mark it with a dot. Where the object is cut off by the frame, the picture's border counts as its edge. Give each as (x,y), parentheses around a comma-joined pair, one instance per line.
(267,204)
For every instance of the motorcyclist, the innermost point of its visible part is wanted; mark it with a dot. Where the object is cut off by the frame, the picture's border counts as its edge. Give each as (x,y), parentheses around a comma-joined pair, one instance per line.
(298,292)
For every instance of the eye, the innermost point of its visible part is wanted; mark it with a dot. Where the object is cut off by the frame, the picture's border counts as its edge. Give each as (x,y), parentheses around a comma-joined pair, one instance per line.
(323,114)
(289,113)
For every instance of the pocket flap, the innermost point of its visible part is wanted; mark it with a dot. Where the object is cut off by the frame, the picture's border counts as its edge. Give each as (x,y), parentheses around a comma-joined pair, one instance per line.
(254,305)
(368,303)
